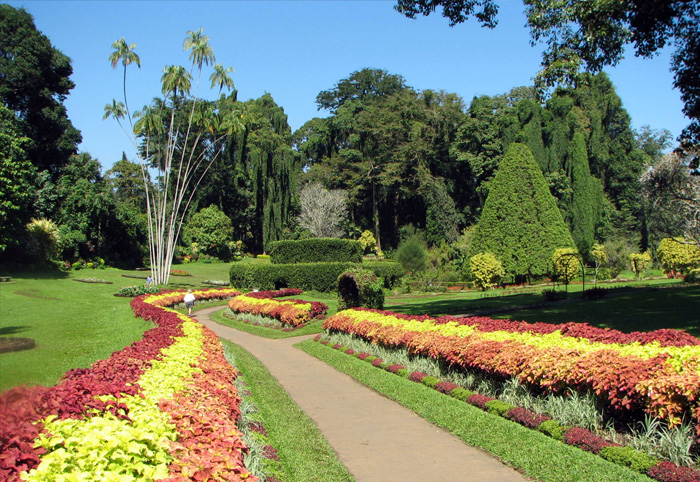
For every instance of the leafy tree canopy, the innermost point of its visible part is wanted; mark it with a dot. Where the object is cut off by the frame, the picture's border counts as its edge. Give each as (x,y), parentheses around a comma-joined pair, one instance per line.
(35,81)
(589,35)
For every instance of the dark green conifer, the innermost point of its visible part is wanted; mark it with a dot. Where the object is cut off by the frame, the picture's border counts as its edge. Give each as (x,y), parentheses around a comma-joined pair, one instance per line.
(586,197)
(520,223)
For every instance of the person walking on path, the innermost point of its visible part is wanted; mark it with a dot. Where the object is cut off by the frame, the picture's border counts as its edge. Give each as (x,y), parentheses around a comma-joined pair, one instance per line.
(189,302)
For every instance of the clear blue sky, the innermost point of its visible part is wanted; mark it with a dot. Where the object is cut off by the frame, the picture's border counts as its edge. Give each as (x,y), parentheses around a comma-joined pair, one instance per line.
(294,49)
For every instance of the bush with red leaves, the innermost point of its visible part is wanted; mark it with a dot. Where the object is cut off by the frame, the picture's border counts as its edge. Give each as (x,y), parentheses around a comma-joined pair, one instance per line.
(669,472)
(526,417)
(586,440)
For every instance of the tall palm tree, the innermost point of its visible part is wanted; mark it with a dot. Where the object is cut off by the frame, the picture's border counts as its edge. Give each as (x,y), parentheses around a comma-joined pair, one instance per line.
(201,53)
(221,78)
(125,53)
(176,79)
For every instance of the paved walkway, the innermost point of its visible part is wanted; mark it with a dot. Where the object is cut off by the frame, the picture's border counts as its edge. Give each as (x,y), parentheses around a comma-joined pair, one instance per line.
(377,439)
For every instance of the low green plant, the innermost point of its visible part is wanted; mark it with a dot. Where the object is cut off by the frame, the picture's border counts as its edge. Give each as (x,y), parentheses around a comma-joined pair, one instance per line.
(498,407)
(137,290)
(430,381)
(629,457)
(553,429)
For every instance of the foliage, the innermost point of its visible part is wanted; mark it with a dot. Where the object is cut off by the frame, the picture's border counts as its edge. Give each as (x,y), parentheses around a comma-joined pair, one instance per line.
(16,179)
(640,262)
(368,242)
(593,35)
(672,194)
(678,255)
(486,270)
(323,212)
(137,290)
(45,239)
(566,264)
(180,137)
(315,250)
(34,85)
(211,229)
(586,199)
(628,457)
(291,312)
(600,257)
(360,287)
(520,224)
(618,251)
(411,255)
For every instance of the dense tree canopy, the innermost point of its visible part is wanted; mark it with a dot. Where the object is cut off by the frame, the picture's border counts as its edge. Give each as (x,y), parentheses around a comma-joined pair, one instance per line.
(34,83)
(590,35)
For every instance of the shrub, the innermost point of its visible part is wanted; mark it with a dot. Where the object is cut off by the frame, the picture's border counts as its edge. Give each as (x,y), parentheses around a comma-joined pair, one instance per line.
(526,417)
(565,266)
(678,255)
(640,262)
(669,472)
(326,250)
(430,381)
(360,287)
(445,387)
(368,242)
(553,295)
(307,276)
(137,290)
(629,457)
(417,376)
(595,294)
(585,440)
(553,429)
(498,407)
(479,400)
(486,270)
(461,394)
(411,255)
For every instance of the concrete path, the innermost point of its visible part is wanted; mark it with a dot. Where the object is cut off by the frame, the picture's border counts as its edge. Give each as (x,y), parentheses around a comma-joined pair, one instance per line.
(377,439)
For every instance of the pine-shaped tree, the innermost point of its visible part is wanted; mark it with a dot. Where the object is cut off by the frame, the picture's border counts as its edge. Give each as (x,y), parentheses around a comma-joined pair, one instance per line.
(586,198)
(520,223)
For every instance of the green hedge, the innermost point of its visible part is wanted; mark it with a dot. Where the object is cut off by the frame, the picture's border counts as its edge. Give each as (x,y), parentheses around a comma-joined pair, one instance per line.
(315,250)
(306,276)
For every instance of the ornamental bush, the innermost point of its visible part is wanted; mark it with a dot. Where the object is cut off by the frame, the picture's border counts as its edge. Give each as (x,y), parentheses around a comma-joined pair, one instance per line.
(678,255)
(520,223)
(368,242)
(486,270)
(640,262)
(629,457)
(411,255)
(360,287)
(565,265)
(315,250)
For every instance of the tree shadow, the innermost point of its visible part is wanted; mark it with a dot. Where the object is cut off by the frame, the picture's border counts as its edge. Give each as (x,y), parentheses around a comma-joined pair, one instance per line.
(13,330)
(39,274)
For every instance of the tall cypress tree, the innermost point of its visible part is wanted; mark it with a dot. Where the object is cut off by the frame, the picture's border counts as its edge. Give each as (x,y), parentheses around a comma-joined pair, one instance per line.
(520,223)
(586,196)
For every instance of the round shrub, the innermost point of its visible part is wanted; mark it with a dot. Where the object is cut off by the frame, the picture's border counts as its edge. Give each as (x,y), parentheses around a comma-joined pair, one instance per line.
(411,254)
(360,287)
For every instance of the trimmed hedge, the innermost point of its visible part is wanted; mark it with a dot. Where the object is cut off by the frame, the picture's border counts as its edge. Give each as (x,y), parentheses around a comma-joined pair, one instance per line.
(306,276)
(320,250)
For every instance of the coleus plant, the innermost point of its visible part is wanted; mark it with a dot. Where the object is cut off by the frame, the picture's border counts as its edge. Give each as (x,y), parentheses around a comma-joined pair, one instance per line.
(112,422)
(291,312)
(659,376)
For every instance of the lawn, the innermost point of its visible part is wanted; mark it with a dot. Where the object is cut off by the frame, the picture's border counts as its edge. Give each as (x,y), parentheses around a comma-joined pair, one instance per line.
(75,323)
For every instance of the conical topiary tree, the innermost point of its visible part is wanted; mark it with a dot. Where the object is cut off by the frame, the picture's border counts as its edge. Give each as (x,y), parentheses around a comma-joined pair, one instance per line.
(520,223)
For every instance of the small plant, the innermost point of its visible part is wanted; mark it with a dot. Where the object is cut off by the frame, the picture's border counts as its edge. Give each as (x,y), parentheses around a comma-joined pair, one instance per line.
(486,270)
(553,295)
(179,272)
(137,290)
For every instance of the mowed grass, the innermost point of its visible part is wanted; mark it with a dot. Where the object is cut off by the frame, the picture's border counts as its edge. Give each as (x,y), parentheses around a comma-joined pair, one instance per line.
(74,324)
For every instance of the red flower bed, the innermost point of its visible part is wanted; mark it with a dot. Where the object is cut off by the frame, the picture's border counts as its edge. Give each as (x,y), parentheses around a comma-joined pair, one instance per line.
(586,440)
(668,472)
(526,417)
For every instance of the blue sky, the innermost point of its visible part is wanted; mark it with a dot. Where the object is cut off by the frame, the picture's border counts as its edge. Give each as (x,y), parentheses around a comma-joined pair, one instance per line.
(294,49)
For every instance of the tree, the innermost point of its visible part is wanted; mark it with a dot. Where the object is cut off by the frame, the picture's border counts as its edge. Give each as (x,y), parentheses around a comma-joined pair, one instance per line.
(188,135)
(600,257)
(35,81)
(125,53)
(586,197)
(211,229)
(520,223)
(589,35)
(671,190)
(486,270)
(640,262)
(45,239)
(322,211)
(16,181)
(411,255)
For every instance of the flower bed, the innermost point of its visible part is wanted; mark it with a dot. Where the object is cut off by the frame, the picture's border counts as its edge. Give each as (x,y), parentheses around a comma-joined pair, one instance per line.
(657,373)
(291,312)
(162,408)
(584,439)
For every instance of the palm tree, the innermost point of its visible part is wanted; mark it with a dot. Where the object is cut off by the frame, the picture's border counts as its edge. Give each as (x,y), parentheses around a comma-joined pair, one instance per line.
(176,79)
(125,53)
(202,53)
(221,78)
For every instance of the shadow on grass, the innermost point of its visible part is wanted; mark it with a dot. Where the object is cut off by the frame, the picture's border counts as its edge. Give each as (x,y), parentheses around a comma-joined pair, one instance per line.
(435,307)
(13,330)
(38,274)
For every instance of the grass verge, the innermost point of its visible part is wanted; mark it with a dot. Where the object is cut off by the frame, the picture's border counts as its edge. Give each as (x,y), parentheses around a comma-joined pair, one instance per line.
(531,452)
(304,453)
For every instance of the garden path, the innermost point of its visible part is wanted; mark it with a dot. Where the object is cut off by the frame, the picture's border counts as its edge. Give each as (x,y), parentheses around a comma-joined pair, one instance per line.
(377,439)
